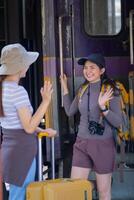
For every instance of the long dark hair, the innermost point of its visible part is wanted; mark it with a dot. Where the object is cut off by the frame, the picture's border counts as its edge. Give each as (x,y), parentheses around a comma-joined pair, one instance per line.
(2,77)
(107,81)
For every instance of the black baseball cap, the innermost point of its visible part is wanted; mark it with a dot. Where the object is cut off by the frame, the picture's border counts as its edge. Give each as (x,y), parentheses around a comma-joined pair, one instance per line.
(96,58)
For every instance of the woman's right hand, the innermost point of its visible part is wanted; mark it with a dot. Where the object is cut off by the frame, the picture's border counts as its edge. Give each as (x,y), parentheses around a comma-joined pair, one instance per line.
(51,132)
(46,91)
(63,79)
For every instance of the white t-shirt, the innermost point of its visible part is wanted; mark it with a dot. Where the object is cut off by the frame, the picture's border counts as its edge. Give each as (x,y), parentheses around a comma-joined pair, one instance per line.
(14,97)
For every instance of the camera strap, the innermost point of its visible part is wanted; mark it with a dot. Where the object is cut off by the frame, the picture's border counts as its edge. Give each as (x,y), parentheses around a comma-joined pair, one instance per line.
(88,103)
(88,107)
(93,127)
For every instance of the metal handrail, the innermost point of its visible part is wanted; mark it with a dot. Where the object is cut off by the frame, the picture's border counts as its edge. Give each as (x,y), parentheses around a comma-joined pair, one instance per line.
(61,53)
(40,170)
(131,13)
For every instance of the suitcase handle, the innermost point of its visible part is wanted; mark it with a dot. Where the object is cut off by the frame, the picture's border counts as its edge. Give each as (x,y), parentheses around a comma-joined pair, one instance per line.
(42,134)
(40,170)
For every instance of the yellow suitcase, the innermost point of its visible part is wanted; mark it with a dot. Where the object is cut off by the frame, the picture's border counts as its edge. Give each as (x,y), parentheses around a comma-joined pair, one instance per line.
(57,189)
(60,189)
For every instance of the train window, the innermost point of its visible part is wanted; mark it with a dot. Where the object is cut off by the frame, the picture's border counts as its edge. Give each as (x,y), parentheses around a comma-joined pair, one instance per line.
(102,17)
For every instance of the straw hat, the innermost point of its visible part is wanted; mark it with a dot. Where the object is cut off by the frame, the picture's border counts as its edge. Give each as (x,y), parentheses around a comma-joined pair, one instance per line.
(14,58)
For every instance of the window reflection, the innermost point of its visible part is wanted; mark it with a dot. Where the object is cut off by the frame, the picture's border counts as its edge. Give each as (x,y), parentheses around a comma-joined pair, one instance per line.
(102,17)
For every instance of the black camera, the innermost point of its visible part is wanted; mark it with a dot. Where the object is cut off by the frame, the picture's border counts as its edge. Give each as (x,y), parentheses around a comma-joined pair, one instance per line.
(95,128)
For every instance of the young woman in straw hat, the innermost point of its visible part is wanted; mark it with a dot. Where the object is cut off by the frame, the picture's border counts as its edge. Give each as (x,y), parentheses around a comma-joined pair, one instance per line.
(94,147)
(19,124)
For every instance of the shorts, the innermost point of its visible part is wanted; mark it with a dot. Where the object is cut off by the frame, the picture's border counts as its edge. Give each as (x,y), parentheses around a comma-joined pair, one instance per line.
(95,154)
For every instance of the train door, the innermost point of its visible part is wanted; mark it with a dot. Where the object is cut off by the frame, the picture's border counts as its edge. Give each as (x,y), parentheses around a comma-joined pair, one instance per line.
(20,22)
(74,29)
(107,27)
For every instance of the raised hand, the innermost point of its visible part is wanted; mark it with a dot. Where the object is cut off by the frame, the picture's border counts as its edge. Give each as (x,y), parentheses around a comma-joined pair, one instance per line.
(63,80)
(104,97)
(46,91)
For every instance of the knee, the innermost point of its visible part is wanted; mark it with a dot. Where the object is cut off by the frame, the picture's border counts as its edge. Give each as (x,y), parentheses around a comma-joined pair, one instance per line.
(104,193)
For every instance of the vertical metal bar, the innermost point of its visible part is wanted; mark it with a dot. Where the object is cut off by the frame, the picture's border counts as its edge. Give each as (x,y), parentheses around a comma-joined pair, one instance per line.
(40,173)
(73,58)
(24,17)
(72,46)
(6,22)
(53,157)
(61,53)
(131,36)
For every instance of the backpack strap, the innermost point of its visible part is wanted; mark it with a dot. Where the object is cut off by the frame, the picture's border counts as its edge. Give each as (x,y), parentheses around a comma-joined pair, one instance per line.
(124,93)
(122,134)
(84,87)
(82,90)
(124,100)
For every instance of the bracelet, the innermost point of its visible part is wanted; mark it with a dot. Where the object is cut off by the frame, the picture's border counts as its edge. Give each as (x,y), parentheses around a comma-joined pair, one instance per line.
(103,110)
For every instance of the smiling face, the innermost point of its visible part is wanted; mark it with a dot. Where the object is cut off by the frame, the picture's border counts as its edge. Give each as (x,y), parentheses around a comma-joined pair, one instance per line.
(92,72)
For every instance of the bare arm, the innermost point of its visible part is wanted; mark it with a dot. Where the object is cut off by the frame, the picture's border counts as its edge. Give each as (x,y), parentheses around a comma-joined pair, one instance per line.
(29,122)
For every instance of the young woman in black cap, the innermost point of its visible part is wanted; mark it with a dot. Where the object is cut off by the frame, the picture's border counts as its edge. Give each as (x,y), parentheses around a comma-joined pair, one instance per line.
(94,147)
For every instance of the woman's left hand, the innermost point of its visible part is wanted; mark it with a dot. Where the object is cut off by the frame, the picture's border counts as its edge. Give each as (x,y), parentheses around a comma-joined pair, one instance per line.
(104,97)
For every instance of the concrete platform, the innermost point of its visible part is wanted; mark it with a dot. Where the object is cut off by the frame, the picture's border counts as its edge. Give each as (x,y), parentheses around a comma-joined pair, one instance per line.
(122,184)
